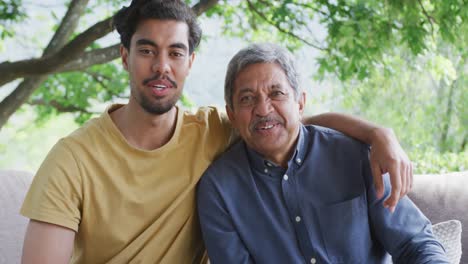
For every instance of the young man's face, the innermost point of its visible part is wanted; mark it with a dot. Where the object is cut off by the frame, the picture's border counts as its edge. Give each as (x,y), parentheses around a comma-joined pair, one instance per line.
(265,110)
(158,63)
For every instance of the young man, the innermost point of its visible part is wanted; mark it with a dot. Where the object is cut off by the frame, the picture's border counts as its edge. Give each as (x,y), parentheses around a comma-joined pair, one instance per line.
(289,193)
(122,187)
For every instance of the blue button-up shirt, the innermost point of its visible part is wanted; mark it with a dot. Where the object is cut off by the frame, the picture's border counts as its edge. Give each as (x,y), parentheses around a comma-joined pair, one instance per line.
(321,209)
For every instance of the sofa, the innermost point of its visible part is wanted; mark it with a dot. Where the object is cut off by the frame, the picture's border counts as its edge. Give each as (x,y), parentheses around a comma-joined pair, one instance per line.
(441,197)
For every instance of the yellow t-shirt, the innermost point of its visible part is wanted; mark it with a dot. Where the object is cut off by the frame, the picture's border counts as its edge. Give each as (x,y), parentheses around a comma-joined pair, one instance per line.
(129,205)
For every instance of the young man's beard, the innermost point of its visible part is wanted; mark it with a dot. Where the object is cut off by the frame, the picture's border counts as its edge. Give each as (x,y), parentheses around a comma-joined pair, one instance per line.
(157,108)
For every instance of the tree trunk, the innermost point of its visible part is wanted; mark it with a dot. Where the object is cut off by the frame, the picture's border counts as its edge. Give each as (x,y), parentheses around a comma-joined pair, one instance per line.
(463,144)
(23,91)
(443,144)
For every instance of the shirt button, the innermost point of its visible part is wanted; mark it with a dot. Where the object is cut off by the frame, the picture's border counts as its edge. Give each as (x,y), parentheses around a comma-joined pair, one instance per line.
(313,260)
(268,164)
(265,170)
(285,177)
(298,160)
(298,219)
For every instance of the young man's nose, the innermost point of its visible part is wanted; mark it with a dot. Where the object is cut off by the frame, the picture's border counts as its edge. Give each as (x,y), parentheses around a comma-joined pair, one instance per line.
(161,64)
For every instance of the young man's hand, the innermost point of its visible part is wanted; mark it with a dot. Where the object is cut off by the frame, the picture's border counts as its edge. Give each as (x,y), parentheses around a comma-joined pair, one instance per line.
(387,156)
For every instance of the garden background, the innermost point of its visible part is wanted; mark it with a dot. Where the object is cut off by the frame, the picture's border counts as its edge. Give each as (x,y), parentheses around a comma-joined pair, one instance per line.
(399,63)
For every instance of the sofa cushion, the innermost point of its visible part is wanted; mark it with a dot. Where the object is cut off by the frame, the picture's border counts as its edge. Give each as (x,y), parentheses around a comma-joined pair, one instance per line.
(449,235)
(13,187)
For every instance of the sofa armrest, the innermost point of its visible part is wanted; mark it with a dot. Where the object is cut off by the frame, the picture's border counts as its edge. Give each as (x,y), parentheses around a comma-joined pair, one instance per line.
(443,197)
(13,188)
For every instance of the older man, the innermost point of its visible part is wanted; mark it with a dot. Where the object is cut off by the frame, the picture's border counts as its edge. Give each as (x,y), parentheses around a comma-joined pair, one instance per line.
(289,193)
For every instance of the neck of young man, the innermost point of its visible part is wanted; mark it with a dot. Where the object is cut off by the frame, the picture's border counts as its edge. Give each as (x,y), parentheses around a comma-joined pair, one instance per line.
(145,130)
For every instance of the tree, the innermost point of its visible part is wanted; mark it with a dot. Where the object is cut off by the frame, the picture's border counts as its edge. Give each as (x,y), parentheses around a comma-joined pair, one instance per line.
(74,70)
(424,99)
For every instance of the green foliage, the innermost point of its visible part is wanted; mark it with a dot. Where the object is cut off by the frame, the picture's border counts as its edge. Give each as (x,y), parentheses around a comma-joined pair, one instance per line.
(186,101)
(107,8)
(432,161)
(424,100)
(401,63)
(77,92)
(360,32)
(24,144)
(11,11)
(265,21)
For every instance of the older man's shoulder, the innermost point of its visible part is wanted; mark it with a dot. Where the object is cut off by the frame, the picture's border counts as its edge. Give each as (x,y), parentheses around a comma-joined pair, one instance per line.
(232,161)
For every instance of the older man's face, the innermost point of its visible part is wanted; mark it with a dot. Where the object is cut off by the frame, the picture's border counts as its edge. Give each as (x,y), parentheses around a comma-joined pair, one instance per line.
(266,112)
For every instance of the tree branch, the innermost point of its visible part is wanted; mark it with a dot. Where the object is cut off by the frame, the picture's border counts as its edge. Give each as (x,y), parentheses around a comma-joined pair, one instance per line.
(429,18)
(59,107)
(301,5)
(463,144)
(252,7)
(98,78)
(302,22)
(71,51)
(203,5)
(23,91)
(67,26)
(90,58)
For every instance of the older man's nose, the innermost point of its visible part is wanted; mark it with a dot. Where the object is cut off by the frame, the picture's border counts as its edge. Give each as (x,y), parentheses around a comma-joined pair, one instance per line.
(263,107)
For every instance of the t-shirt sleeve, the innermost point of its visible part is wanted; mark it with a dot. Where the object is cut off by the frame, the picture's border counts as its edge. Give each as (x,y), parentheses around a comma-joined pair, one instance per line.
(230,133)
(220,133)
(55,195)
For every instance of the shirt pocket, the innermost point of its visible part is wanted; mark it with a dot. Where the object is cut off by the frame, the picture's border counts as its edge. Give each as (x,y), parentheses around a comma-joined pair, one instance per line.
(345,230)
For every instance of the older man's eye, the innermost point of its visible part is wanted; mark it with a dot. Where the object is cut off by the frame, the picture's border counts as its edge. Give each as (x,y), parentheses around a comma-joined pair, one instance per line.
(277,95)
(246,99)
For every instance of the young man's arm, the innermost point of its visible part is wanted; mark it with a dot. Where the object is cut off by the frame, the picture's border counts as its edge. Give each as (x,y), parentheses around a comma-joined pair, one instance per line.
(386,155)
(47,243)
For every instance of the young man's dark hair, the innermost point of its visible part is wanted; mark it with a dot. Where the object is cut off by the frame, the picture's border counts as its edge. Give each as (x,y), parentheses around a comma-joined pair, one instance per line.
(127,18)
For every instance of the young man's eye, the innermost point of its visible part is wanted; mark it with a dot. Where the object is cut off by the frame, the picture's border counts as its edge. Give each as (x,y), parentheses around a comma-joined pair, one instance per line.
(146,51)
(177,54)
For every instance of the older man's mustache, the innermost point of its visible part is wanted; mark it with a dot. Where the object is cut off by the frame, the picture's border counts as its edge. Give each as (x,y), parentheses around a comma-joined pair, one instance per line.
(274,120)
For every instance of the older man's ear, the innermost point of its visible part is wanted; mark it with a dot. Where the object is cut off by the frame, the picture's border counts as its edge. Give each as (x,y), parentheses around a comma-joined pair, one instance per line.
(302,102)
(230,114)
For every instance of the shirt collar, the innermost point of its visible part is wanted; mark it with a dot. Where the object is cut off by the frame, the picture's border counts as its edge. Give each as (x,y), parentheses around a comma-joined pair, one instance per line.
(264,166)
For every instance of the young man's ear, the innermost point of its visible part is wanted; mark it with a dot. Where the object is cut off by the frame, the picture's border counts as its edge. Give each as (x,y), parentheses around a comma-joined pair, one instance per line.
(124,56)
(191,59)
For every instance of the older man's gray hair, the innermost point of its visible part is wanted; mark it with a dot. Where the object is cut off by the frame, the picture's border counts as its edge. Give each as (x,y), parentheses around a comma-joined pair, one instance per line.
(261,53)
